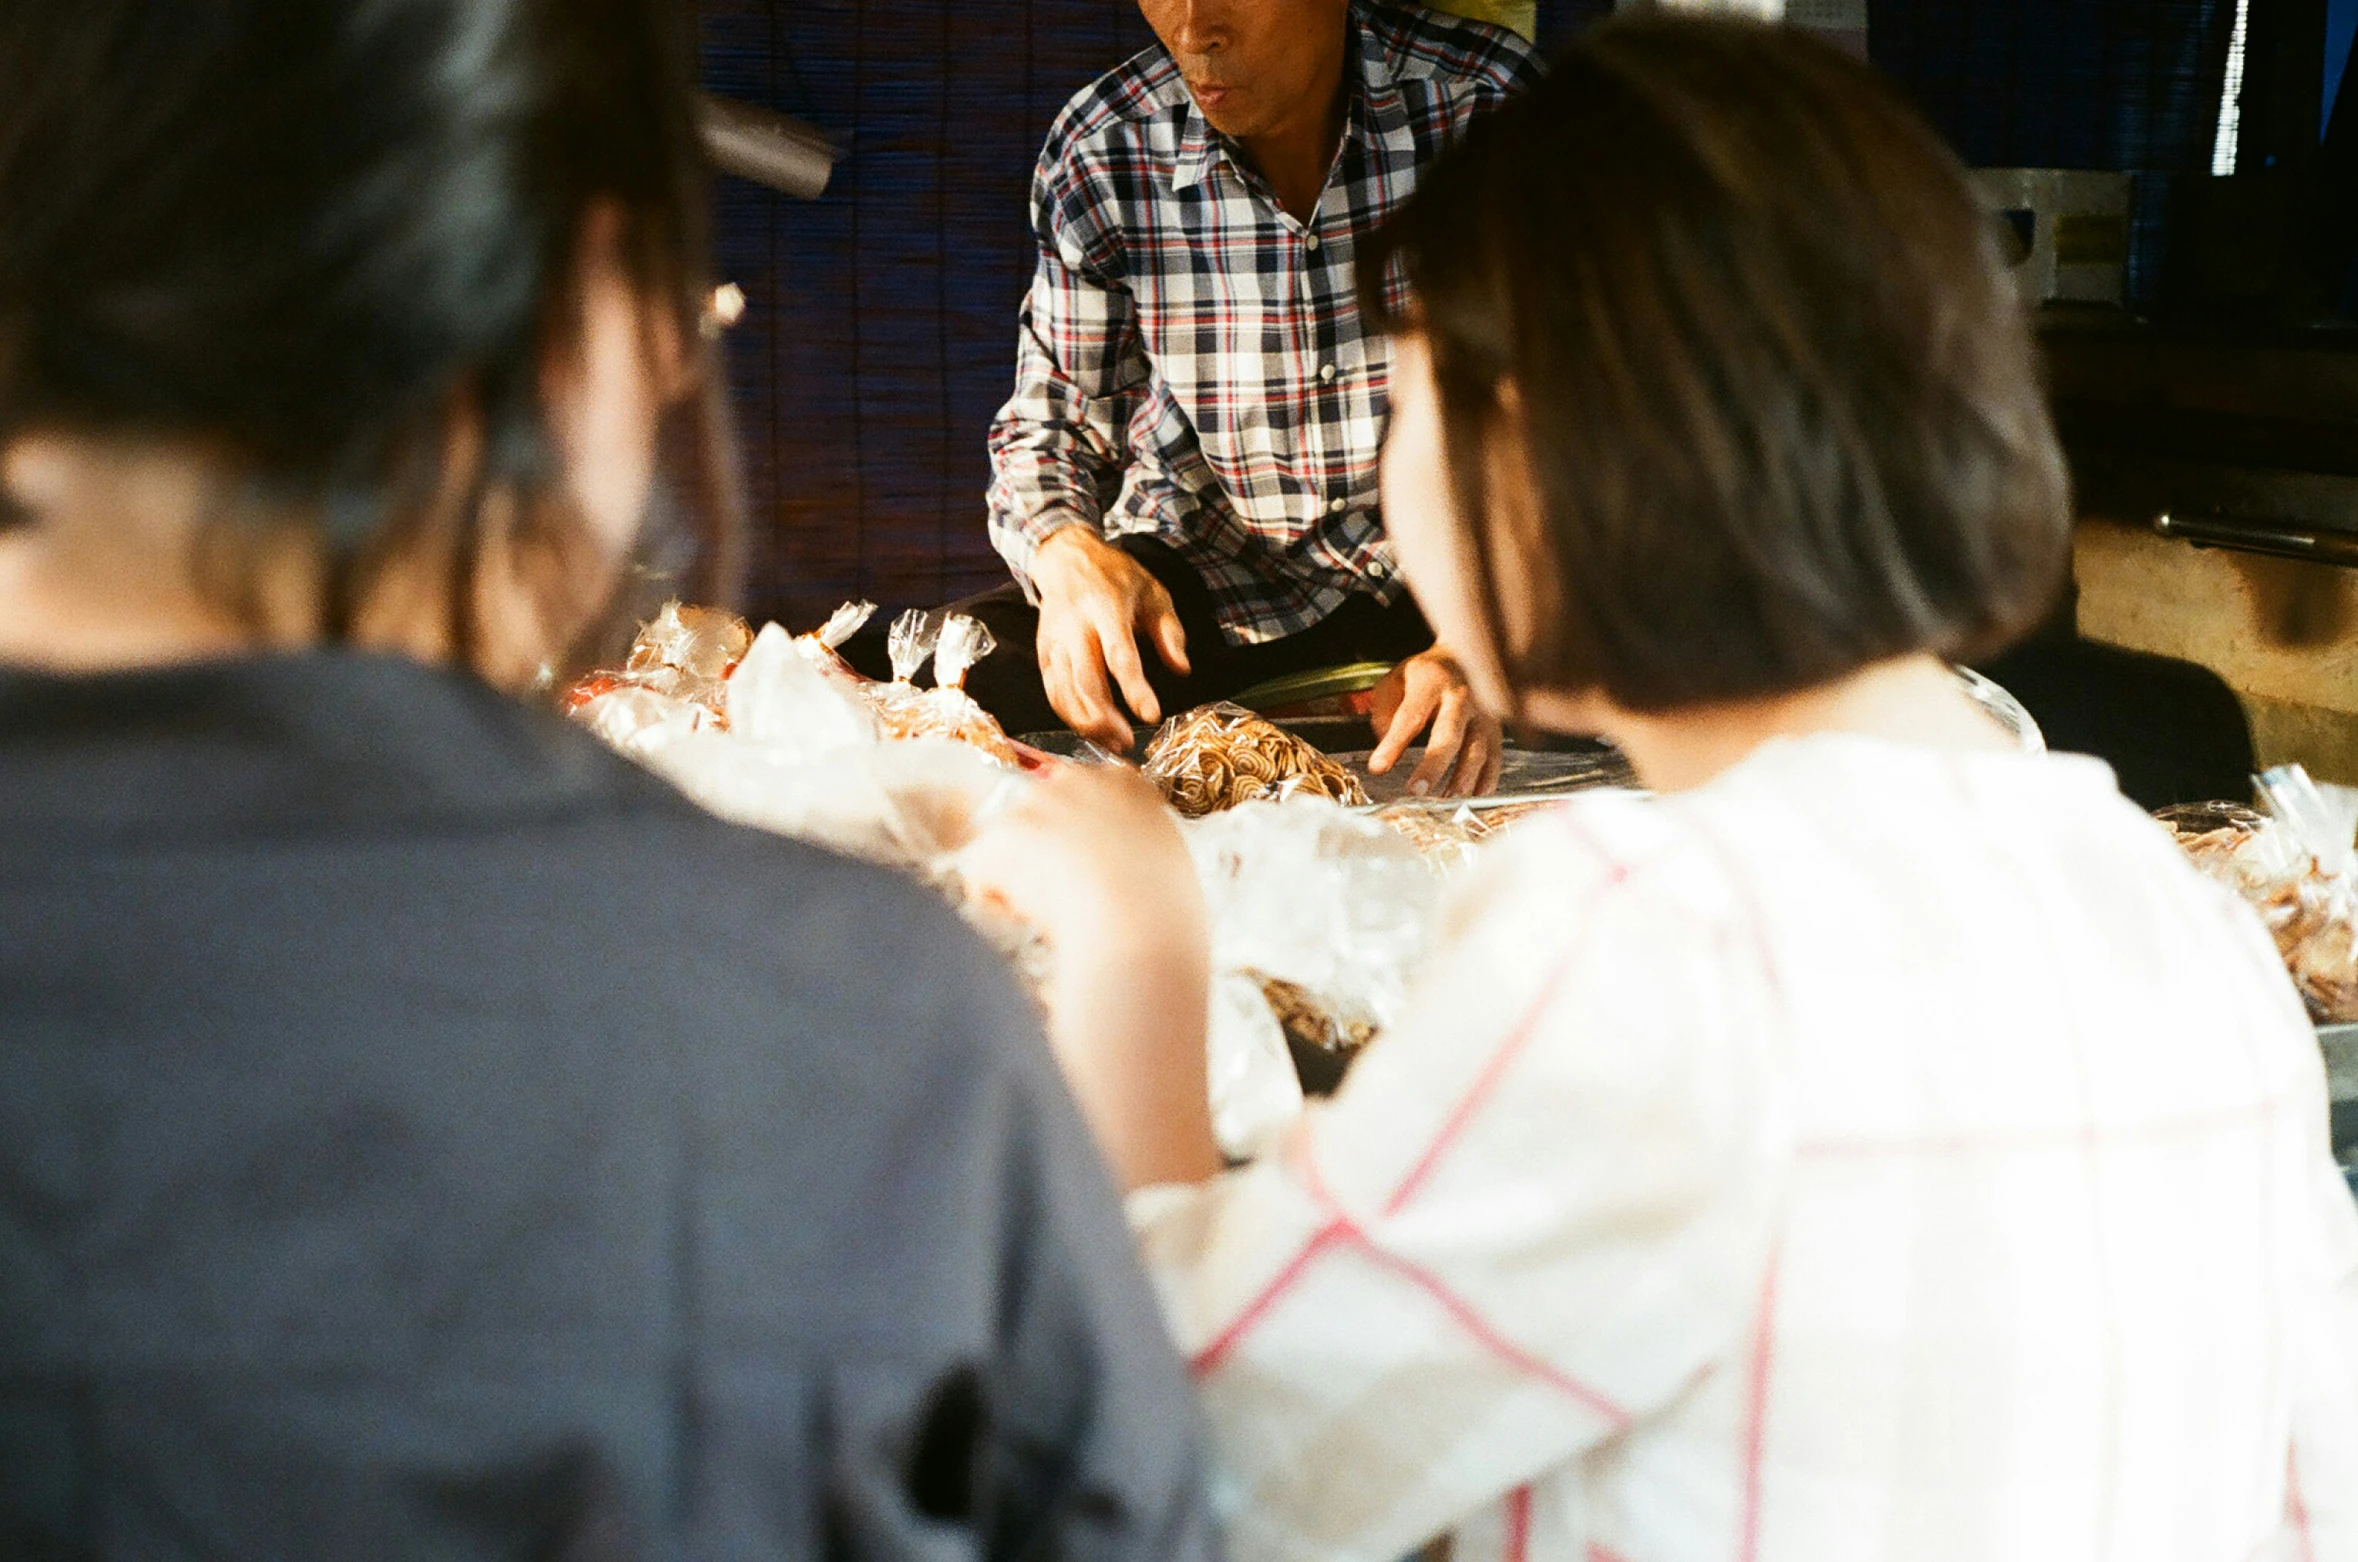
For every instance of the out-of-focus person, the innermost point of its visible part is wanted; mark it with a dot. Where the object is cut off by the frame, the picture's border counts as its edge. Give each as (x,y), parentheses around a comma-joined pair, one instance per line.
(1878,1144)
(422,1133)
(1184,479)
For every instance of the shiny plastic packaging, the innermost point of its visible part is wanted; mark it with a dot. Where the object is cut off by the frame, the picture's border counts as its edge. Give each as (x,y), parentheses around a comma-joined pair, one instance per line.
(1218,757)
(1446,838)
(947,710)
(1319,914)
(910,646)
(703,643)
(2004,709)
(638,720)
(2298,866)
(682,653)
(797,750)
(822,646)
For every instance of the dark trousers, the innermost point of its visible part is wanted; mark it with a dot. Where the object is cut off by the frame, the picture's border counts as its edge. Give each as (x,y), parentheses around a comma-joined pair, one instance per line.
(1007,682)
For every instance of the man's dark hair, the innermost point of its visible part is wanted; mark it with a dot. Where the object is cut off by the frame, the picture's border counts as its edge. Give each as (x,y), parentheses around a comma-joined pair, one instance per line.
(301,231)
(1777,391)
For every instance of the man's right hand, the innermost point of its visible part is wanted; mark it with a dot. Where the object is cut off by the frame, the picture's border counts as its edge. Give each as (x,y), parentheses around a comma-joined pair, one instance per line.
(1097,606)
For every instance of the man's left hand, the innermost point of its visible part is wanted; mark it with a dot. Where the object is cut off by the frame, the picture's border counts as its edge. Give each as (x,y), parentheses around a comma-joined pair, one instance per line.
(1462,756)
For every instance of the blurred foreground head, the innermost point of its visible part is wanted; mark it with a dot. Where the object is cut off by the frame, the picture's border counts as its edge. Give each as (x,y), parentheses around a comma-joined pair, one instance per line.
(360,315)
(1713,385)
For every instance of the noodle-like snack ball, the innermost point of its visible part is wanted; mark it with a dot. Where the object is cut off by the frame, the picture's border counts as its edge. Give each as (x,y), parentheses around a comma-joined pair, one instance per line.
(1218,756)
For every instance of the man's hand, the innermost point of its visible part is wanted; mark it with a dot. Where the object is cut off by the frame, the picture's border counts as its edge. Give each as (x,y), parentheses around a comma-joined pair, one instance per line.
(1463,754)
(1097,605)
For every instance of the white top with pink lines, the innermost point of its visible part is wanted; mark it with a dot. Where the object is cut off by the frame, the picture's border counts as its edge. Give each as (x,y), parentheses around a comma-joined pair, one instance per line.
(1873,1154)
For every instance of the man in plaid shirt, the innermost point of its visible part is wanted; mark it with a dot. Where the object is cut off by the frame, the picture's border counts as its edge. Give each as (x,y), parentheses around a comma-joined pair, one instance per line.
(1189,458)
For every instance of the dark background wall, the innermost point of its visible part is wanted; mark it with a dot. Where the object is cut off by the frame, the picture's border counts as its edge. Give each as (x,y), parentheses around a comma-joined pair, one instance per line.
(880,333)
(879,337)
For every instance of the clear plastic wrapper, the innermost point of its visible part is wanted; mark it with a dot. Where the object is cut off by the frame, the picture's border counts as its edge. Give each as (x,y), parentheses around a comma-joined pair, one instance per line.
(1447,838)
(683,653)
(703,643)
(822,645)
(2004,709)
(1320,913)
(2315,917)
(2298,866)
(780,698)
(1256,1091)
(910,646)
(1218,757)
(791,747)
(947,710)
(638,720)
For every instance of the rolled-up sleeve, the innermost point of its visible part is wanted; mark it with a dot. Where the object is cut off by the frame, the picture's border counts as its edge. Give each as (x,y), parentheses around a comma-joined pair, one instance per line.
(1060,444)
(1539,1208)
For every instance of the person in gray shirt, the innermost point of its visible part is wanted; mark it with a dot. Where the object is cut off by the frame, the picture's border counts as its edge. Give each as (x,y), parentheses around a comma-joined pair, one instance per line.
(422,1133)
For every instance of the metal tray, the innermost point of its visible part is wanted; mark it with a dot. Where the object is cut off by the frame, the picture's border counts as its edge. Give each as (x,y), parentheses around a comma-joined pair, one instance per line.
(2340,1045)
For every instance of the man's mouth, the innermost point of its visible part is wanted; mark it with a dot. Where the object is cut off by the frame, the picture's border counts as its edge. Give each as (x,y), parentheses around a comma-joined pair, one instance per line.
(1210,94)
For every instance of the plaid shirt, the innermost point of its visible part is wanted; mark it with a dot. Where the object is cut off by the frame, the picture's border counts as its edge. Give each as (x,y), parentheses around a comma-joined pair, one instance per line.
(1192,363)
(1872,1156)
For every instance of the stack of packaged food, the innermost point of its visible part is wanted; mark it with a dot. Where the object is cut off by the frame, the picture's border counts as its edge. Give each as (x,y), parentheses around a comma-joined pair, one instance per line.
(2297,864)
(1320,902)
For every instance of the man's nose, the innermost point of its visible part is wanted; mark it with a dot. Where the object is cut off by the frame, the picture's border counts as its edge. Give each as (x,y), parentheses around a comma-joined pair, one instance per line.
(1204,27)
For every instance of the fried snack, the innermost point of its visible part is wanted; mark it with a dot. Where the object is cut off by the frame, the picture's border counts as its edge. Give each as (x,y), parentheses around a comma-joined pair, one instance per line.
(2315,934)
(2311,914)
(1218,756)
(821,647)
(682,653)
(946,710)
(1323,1044)
(1443,838)
(701,643)
(1500,816)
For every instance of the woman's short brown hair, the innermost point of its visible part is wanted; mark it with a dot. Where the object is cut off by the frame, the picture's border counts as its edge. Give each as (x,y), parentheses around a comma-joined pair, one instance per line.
(1777,392)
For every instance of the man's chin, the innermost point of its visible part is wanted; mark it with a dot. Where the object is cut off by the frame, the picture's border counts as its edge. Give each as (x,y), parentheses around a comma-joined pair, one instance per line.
(1227,119)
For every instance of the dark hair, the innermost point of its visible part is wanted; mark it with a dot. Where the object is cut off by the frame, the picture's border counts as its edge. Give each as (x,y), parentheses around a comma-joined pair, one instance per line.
(299,230)
(1777,392)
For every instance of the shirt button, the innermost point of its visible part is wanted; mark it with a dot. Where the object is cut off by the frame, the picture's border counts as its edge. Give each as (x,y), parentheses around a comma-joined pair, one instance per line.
(1310,242)
(1326,373)
(1338,506)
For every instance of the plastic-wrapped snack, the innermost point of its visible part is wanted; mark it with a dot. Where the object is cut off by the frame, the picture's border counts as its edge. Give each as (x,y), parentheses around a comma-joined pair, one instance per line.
(640,721)
(1219,756)
(782,699)
(2240,847)
(911,643)
(2315,917)
(2299,870)
(909,646)
(701,642)
(1323,1043)
(682,653)
(1446,838)
(947,710)
(822,645)
(1317,916)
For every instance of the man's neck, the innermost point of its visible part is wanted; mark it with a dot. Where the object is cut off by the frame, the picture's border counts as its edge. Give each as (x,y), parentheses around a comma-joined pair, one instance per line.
(1296,156)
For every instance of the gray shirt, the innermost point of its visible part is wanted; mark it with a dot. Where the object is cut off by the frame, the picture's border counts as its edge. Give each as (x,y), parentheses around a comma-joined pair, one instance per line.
(424,1135)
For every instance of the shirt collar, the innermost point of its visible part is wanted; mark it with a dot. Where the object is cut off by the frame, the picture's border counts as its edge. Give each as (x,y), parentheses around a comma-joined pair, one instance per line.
(271,743)
(1377,114)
